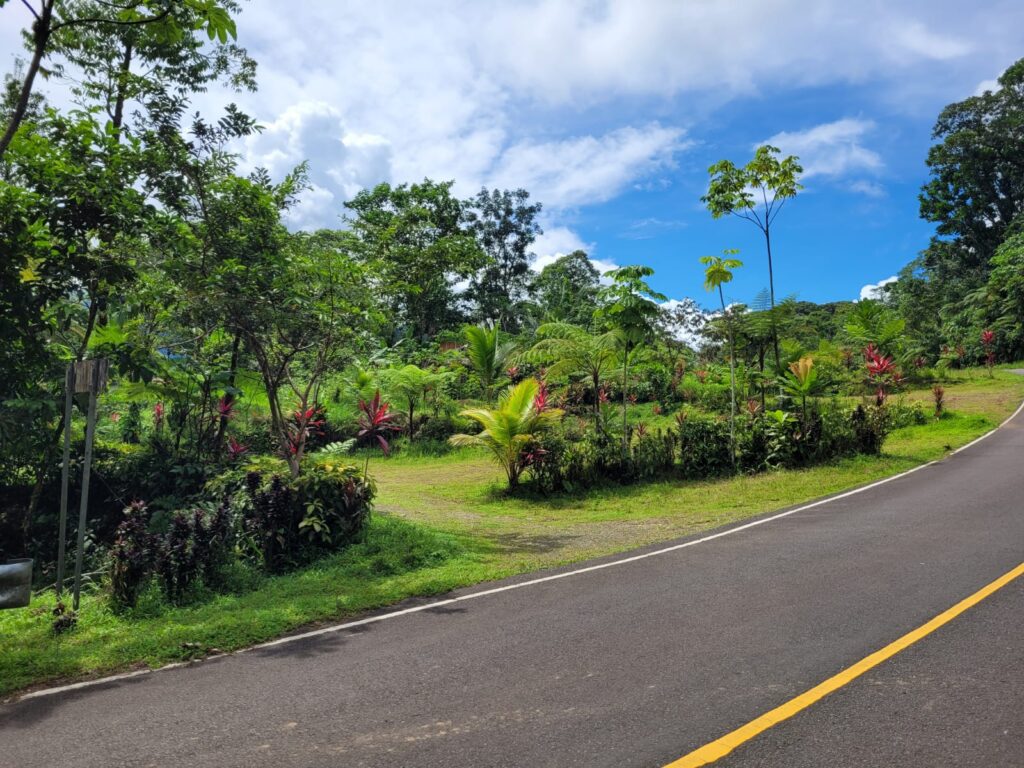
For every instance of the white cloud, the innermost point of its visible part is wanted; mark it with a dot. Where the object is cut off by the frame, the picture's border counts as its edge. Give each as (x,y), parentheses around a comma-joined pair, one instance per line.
(554,243)
(830,149)
(986,85)
(868,188)
(342,162)
(491,93)
(874,290)
(586,169)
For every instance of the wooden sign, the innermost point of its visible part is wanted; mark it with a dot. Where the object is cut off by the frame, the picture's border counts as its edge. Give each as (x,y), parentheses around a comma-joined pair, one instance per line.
(90,376)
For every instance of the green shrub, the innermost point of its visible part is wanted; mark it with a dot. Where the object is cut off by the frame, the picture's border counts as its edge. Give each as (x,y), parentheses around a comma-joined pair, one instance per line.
(286,521)
(703,446)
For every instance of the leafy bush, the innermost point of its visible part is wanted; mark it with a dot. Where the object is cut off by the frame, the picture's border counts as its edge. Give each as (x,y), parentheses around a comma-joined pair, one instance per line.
(703,446)
(131,556)
(287,521)
(870,427)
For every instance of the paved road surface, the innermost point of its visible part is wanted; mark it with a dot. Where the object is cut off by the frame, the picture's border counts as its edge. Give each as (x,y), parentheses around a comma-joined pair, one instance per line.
(633,665)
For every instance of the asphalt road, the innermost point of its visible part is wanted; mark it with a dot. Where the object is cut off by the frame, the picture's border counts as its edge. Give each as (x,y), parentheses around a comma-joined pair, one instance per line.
(632,665)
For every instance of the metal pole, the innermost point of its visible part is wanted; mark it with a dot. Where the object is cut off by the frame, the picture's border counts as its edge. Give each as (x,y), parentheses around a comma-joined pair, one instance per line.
(90,431)
(69,383)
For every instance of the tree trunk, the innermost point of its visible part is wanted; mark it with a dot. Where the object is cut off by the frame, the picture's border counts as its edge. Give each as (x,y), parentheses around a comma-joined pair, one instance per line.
(732,382)
(625,374)
(229,398)
(40,37)
(771,295)
(125,71)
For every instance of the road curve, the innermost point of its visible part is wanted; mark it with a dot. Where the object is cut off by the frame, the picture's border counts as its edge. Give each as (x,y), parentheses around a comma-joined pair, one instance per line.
(633,665)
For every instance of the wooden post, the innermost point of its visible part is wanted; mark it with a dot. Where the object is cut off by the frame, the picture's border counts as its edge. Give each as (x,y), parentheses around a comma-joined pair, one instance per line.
(91,376)
(69,395)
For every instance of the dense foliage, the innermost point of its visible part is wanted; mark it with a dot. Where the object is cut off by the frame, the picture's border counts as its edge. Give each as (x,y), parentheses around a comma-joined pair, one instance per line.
(255,370)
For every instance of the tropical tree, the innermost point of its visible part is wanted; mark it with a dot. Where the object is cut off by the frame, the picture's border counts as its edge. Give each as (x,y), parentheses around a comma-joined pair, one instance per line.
(718,272)
(416,240)
(565,291)
(505,225)
(628,306)
(568,349)
(508,430)
(487,354)
(76,28)
(756,193)
(410,384)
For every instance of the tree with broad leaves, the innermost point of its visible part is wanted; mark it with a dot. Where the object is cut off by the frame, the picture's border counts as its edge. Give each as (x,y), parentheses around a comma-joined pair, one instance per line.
(414,239)
(565,291)
(505,225)
(63,25)
(976,187)
(756,193)
(628,306)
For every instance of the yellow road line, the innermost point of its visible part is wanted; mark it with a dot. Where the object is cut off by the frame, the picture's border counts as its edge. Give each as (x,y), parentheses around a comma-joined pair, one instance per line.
(721,747)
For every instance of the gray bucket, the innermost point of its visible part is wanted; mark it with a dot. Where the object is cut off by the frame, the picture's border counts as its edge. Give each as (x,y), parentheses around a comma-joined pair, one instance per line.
(16,583)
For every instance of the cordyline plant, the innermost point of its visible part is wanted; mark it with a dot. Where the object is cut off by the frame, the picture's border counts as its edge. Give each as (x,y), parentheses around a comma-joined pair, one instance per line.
(376,420)
(882,372)
(510,430)
(988,339)
(801,381)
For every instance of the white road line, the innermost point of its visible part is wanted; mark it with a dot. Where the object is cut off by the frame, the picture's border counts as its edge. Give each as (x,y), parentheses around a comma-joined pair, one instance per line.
(507,587)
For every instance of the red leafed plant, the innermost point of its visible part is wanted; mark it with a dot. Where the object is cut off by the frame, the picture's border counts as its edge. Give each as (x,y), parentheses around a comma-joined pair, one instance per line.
(882,372)
(540,400)
(158,416)
(236,449)
(702,375)
(988,338)
(376,420)
(225,408)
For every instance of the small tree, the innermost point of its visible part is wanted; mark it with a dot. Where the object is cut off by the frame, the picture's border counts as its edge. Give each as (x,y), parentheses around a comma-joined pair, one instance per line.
(410,383)
(734,190)
(568,349)
(628,306)
(487,354)
(509,429)
(717,274)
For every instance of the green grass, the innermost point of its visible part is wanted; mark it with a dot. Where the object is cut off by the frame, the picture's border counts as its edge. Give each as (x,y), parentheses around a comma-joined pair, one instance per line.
(444,522)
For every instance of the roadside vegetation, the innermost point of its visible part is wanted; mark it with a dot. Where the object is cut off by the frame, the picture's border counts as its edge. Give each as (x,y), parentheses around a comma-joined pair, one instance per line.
(303,425)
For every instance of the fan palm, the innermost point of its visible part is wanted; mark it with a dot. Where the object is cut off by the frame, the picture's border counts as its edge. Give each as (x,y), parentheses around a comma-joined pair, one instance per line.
(509,429)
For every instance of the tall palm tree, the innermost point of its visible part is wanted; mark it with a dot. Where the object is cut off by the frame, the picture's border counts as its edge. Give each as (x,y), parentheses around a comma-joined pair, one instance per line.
(718,272)
(510,428)
(567,349)
(487,354)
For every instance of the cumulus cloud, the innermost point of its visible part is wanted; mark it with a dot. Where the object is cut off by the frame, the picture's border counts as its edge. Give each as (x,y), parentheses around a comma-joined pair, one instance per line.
(491,93)
(874,290)
(586,169)
(830,149)
(344,162)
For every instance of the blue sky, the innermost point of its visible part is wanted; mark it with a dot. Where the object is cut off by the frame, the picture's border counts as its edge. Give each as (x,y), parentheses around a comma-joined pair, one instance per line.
(611,112)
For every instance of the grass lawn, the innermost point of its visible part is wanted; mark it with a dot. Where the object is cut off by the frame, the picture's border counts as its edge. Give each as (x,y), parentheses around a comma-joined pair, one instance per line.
(443,523)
